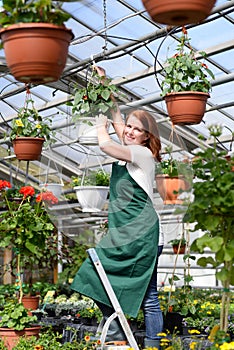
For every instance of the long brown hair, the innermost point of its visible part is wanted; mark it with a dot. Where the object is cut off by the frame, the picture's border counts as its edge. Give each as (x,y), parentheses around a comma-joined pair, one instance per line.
(150,127)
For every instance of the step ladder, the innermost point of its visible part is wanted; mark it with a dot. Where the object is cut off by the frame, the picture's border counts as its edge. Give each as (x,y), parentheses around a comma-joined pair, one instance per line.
(115,303)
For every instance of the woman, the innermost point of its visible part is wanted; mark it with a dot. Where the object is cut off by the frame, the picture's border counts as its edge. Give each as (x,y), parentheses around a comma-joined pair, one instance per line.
(129,251)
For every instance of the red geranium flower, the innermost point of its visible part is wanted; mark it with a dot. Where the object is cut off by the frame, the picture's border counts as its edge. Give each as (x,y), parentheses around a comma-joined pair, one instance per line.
(47,197)
(27,191)
(4,184)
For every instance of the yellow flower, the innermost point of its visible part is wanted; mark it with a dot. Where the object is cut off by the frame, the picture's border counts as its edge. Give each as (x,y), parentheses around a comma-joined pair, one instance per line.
(164,340)
(38,126)
(161,334)
(192,345)
(19,122)
(227,346)
(193,331)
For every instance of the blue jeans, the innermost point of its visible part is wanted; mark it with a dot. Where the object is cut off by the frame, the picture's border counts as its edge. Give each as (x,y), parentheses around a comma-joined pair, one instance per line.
(151,307)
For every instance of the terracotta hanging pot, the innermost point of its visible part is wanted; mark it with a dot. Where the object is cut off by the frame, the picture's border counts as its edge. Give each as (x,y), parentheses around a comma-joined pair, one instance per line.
(168,186)
(11,337)
(186,107)
(28,148)
(178,12)
(36,52)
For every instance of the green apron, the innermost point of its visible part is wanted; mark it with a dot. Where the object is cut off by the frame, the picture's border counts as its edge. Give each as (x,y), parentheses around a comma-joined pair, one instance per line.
(128,252)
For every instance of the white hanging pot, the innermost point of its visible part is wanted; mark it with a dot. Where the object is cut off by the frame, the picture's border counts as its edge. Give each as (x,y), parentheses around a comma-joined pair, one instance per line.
(87,131)
(55,188)
(91,198)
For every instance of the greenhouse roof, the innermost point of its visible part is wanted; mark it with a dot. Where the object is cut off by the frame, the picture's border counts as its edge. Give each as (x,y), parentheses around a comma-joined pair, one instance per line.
(120,36)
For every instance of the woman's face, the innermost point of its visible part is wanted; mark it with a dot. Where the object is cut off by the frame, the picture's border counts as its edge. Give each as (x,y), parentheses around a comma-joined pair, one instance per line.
(133,132)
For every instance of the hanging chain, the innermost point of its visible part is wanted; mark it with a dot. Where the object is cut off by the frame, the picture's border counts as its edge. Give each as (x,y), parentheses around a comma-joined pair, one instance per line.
(105,27)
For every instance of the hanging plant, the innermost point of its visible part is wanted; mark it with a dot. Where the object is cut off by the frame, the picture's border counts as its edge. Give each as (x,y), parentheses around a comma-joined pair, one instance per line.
(29,131)
(186,84)
(93,99)
(35,39)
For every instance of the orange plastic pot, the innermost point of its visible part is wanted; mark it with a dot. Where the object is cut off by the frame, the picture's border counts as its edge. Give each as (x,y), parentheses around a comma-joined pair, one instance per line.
(28,148)
(36,52)
(169,188)
(31,302)
(178,12)
(187,107)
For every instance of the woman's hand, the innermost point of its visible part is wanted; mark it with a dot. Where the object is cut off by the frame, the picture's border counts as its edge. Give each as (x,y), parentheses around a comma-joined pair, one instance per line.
(101,120)
(100,71)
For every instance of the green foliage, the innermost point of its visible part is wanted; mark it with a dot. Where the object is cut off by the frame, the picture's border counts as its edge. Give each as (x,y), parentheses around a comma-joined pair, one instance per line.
(174,167)
(14,315)
(25,226)
(93,178)
(183,72)
(30,123)
(93,99)
(27,11)
(212,210)
(178,241)
(74,259)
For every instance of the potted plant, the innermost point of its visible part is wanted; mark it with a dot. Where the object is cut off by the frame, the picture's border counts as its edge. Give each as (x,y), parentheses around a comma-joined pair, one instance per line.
(92,190)
(212,212)
(172,178)
(178,12)
(178,245)
(29,131)
(186,84)
(35,39)
(88,102)
(15,323)
(25,227)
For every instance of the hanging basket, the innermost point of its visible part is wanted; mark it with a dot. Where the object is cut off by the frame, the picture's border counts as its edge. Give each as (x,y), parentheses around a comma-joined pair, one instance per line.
(168,186)
(55,188)
(187,107)
(178,12)
(28,148)
(87,131)
(91,198)
(36,52)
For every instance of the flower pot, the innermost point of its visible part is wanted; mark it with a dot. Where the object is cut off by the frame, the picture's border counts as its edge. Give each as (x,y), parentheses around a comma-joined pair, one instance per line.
(28,148)
(55,188)
(10,337)
(176,249)
(187,107)
(36,52)
(87,131)
(166,187)
(91,198)
(178,12)
(31,303)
